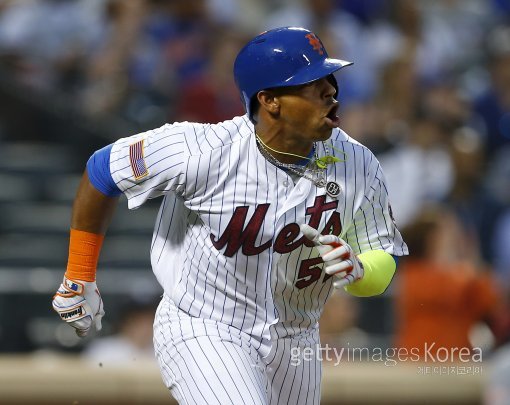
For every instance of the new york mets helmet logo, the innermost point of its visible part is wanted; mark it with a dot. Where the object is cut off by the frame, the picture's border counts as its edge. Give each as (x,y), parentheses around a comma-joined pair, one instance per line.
(315,42)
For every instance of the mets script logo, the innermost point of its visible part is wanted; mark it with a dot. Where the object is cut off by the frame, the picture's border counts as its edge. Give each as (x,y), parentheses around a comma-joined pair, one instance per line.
(237,235)
(315,42)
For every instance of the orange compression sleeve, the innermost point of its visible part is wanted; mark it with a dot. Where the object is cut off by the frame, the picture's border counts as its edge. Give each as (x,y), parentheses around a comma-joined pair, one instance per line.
(84,249)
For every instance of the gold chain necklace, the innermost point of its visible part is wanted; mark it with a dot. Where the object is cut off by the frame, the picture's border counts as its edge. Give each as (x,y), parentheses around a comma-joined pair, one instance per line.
(311,171)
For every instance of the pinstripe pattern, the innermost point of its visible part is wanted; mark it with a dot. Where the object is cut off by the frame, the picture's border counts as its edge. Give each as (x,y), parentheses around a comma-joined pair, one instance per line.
(207,362)
(289,382)
(225,247)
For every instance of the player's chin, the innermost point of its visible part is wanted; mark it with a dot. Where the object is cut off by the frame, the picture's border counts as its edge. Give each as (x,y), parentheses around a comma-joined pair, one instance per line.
(325,133)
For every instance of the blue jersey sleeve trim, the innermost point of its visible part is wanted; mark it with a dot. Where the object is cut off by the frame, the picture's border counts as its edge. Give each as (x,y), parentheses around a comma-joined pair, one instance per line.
(98,170)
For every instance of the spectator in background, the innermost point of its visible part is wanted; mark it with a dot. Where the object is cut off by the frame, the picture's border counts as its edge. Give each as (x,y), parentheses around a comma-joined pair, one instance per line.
(240,15)
(153,47)
(419,169)
(442,291)
(493,106)
(451,34)
(45,43)
(383,122)
(498,180)
(501,244)
(107,71)
(213,96)
(132,340)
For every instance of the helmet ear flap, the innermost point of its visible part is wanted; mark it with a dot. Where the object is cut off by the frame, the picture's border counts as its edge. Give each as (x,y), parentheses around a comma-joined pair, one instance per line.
(254,108)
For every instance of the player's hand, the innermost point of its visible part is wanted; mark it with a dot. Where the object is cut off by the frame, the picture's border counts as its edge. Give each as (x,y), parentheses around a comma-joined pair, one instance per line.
(339,258)
(79,304)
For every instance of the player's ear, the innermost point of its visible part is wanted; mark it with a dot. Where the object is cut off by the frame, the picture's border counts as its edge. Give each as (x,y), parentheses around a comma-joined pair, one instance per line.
(269,101)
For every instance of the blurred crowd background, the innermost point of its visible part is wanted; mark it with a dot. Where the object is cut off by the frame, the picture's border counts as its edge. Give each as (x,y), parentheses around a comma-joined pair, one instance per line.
(429,93)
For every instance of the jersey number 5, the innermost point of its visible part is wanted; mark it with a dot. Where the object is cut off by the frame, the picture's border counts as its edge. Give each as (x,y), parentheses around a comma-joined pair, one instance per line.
(309,272)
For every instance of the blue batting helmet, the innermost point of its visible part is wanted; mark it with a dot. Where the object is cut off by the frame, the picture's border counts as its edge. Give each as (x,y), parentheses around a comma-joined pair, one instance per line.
(282,57)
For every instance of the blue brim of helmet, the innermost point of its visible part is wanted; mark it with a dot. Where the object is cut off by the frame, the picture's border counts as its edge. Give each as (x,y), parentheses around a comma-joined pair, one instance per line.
(315,72)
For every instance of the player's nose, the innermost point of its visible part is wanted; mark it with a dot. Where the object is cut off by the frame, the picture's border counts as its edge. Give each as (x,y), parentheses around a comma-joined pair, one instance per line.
(328,90)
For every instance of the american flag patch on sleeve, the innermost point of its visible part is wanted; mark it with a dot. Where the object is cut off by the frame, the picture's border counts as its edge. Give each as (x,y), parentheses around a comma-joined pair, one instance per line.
(137,161)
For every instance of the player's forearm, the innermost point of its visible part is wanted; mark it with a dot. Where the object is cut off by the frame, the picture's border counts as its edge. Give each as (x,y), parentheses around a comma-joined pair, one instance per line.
(92,213)
(379,268)
(92,210)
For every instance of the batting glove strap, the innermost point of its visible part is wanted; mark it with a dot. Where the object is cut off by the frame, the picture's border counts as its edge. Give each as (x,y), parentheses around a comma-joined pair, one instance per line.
(79,303)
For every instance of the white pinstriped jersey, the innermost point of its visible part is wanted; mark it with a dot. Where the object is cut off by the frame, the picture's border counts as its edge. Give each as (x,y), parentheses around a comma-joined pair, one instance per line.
(226,243)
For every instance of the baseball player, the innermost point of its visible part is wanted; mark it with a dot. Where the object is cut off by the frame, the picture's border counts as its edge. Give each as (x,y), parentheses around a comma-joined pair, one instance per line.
(262,217)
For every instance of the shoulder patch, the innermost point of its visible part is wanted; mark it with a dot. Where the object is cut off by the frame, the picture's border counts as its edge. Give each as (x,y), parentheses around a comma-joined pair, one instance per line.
(137,160)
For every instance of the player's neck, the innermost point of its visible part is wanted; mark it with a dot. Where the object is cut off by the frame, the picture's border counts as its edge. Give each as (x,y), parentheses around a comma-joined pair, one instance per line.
(283,148)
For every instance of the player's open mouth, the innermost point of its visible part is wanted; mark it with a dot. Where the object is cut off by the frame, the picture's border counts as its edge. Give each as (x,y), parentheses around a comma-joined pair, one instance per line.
(332,119)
